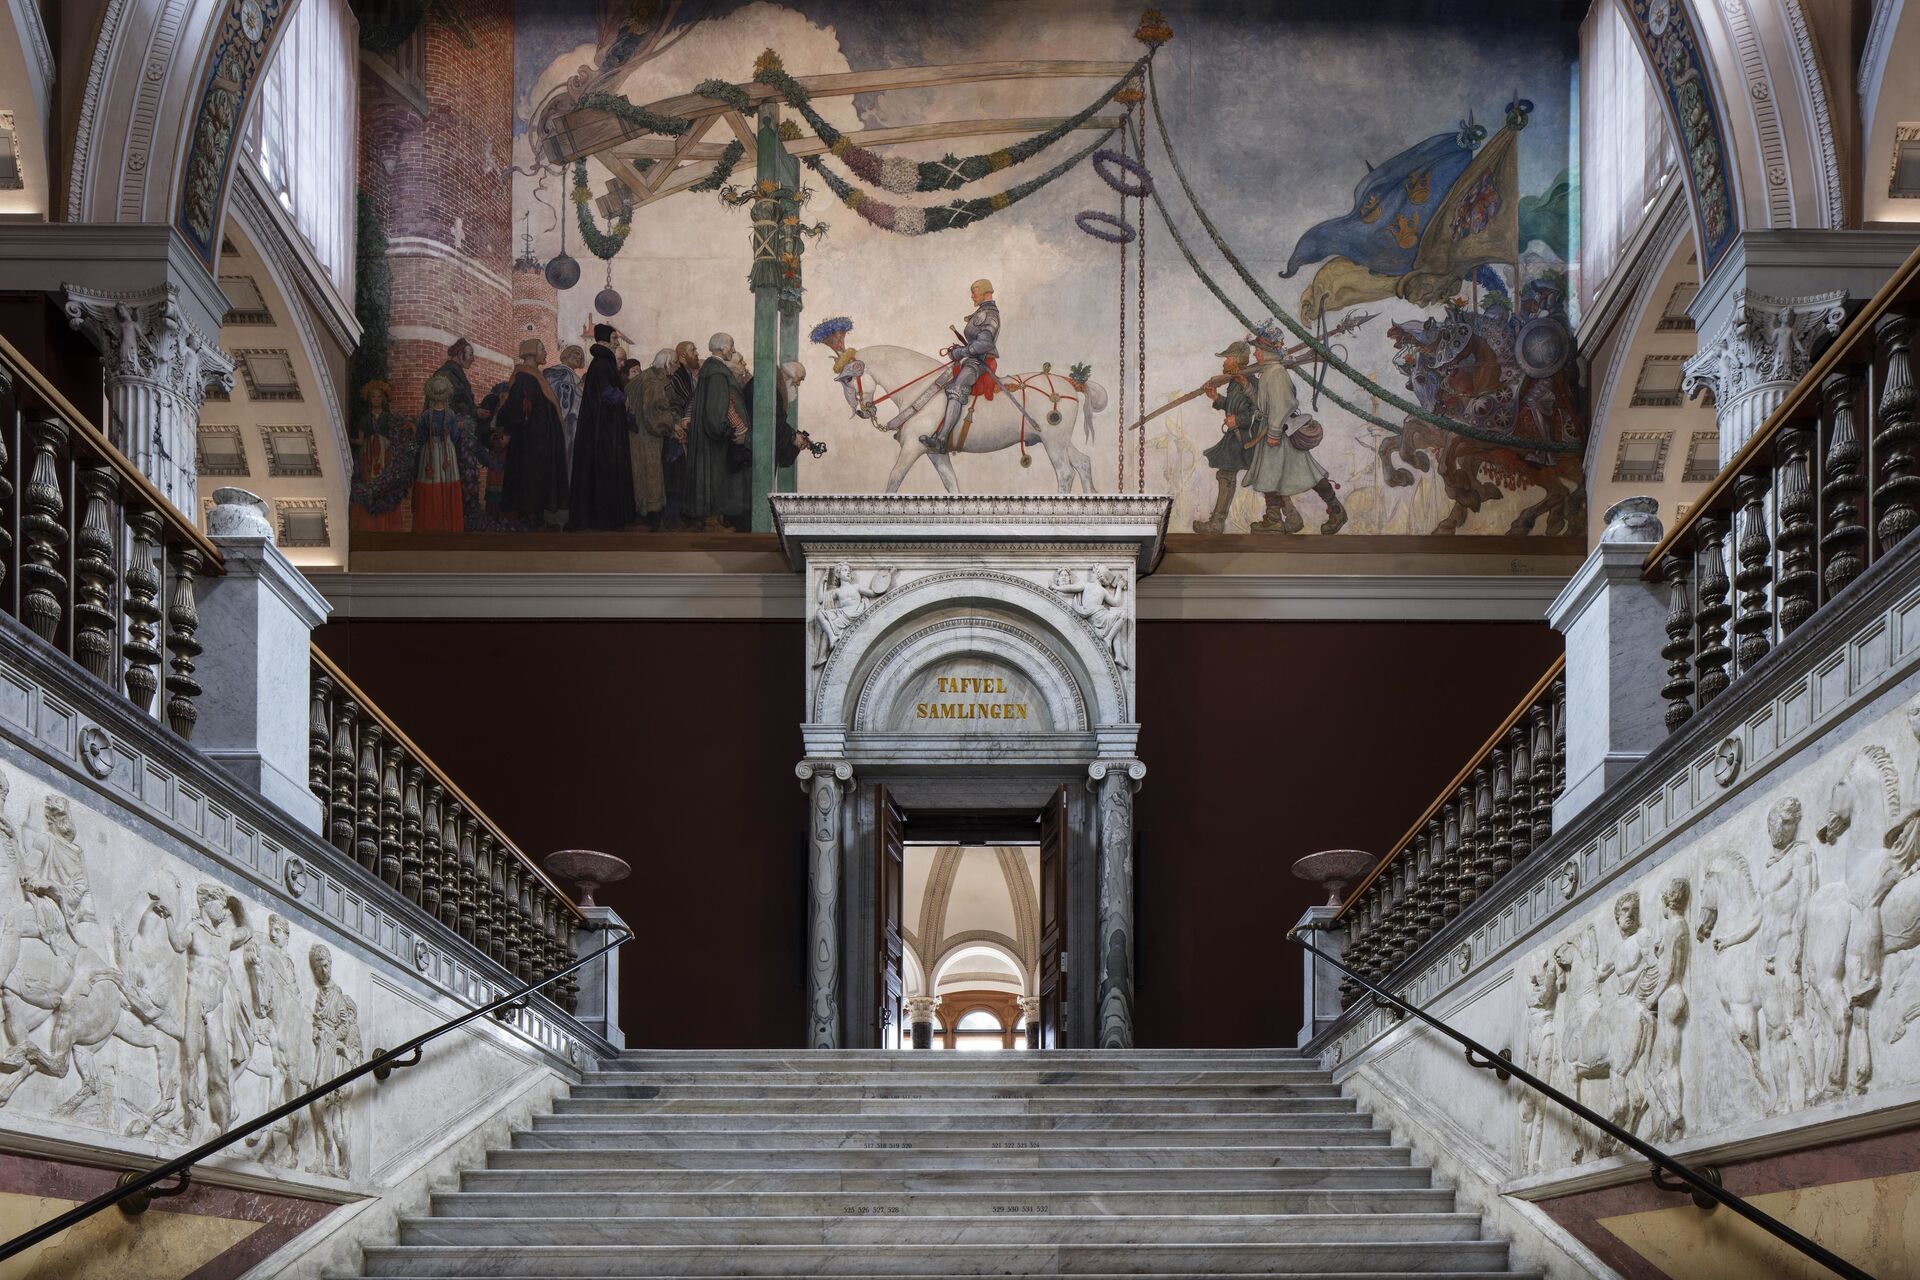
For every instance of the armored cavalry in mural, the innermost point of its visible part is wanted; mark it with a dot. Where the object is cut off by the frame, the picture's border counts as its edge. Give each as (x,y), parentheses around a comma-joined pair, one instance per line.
(828,246)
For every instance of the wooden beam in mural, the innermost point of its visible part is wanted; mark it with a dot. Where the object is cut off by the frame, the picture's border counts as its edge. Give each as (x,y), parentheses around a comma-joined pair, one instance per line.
(584,133)
(658,148)
(682,148)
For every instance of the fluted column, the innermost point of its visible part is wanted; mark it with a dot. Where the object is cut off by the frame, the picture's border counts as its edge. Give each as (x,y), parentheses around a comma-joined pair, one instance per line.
(1116,781)
(159,366)
(826,782)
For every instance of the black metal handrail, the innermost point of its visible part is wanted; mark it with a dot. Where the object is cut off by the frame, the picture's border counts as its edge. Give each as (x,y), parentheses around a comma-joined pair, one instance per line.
(135,1191)
(1702,1185)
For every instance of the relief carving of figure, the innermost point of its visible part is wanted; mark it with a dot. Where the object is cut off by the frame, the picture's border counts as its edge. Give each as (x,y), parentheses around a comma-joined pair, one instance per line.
(336,1049)
(274,991)
(149,950)
(1607,1018)
(1666,996)
(215,1036)
(1099,594)
(844,595)
(1540,1054)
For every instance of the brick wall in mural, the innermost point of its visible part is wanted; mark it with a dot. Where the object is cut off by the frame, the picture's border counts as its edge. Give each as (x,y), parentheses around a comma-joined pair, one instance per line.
(630,266)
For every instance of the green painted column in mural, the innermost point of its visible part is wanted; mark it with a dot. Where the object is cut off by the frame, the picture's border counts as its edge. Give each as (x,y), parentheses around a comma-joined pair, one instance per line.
(788,478)
(766,280)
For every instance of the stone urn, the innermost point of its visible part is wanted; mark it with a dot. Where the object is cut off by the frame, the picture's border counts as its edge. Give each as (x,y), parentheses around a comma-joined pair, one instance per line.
(588,869)
(1334,868)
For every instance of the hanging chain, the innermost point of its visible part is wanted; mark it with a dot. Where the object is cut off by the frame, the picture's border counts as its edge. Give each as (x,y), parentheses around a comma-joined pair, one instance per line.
(1140,299)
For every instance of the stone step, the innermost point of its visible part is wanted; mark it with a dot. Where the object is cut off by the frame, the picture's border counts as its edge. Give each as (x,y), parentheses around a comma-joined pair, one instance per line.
(1005,1125)
(939,1104)
(902,1077)
(860,1232)
(908,1139)
(1336,1113)
(813,1059)
(949,1091)
(937,1202)
(994,1180)
(1350,1257)
(1308,1155)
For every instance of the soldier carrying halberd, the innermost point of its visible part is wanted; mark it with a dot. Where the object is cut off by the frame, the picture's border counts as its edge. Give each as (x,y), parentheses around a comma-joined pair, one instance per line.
(1241,428)
(973,359)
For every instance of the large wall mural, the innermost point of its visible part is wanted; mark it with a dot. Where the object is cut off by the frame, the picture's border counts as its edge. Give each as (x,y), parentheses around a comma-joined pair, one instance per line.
(629,266)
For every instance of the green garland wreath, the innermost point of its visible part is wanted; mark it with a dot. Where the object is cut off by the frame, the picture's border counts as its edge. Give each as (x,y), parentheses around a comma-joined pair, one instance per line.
(722,168)
(600,244)
(638,119)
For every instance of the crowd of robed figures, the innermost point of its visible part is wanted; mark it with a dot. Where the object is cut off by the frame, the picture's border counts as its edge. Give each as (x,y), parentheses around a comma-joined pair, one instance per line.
(599,441)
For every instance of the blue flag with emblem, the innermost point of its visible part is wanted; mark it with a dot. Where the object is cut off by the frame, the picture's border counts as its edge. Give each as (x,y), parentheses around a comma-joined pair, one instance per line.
(1390,208)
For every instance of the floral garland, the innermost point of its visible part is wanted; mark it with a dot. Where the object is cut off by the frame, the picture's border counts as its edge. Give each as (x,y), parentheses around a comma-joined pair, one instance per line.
(722,168)
(601,245)
(639,119)
(906,177)
(908,220)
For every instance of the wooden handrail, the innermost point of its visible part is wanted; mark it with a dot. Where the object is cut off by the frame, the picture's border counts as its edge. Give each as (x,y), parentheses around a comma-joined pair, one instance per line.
(387,725)
(1858,330)
(129,474)
(1460,779)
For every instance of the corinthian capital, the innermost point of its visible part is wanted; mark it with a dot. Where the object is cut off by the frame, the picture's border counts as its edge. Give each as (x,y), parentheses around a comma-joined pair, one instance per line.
(146,337)
(1765,342)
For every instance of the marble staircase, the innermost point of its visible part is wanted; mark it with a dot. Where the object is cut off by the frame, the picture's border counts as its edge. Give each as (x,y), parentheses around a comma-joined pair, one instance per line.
(860,1163)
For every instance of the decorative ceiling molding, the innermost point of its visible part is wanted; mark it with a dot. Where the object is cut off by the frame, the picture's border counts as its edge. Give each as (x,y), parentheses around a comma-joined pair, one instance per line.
(1668,35)
(934,898)
(1026,905)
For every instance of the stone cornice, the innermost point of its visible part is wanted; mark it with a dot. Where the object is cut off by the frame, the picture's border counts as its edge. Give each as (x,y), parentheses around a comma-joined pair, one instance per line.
(1140,520)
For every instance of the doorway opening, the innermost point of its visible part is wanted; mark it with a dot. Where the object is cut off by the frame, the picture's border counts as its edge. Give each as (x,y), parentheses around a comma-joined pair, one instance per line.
(970,928)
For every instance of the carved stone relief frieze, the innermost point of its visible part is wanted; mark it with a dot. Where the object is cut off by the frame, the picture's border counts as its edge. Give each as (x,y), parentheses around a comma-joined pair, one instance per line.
(131,1007)
(1771,967)
(844,595)
(1099,595)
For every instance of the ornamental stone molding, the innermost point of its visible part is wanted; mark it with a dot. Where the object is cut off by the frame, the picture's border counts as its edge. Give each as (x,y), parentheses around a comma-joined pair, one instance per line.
(160,365)
(1762,348)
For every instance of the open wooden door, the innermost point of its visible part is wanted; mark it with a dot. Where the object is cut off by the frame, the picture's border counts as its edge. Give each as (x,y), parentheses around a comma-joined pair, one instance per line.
(890,882)
(1053,922)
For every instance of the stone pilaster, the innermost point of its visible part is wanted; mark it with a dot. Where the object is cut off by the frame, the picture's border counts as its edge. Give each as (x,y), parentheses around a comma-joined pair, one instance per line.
(826,782)
(920,1020)
(160,364)
(1763,346)
(1116,781)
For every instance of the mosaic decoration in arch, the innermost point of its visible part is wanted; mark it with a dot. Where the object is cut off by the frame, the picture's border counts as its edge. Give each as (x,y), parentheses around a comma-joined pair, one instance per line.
(247,34)
(1435,219)
(1665,29)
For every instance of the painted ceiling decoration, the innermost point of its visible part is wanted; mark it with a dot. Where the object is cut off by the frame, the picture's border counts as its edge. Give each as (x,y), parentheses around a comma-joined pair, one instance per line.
(240,52)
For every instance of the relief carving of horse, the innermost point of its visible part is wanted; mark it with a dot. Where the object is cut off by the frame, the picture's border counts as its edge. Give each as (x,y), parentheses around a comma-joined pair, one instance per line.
(1602,1035)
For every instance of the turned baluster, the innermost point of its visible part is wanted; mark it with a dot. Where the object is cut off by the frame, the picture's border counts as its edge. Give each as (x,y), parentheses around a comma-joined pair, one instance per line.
(1898,496)
(343,813)
(1502,842)
(94,546)
(1483,833)
(1754,626)
(319,736)
(183,644)
(450,865)
(502,918)
(6,495)
(469,903)
(366,844)
(142,645)
(1845,542)
(1799,581)
(1710,662)
(1557,713)
(569,947)
(1458,893)
(507,932)
(483,891)
(430,850)
(526,930)
(1678,650)
(390,820)
(1435,900)
(410,834)
(43,522)
(1463,800)
(1419,904)
(1522,793)
(550,909)
(1540,739)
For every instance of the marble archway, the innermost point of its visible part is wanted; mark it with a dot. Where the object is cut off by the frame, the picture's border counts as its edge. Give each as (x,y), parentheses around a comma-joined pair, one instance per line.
(970,653)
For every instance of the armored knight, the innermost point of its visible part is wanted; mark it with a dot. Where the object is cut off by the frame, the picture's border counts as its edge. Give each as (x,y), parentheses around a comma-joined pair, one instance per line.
(973,358)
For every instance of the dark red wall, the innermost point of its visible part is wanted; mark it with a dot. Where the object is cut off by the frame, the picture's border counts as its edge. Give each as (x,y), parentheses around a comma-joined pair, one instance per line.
(673,745)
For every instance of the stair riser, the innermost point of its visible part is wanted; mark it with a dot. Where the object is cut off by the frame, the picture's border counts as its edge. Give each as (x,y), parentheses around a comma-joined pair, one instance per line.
(548,1138)
(957,1158)
(931,1077)
(599,1117)
(1044,1104)
(940,1203)
(919,1260)
(589,1181)
(950,1093)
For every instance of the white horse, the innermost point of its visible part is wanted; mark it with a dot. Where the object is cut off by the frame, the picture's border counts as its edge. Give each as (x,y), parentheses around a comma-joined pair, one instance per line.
(1041,408)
